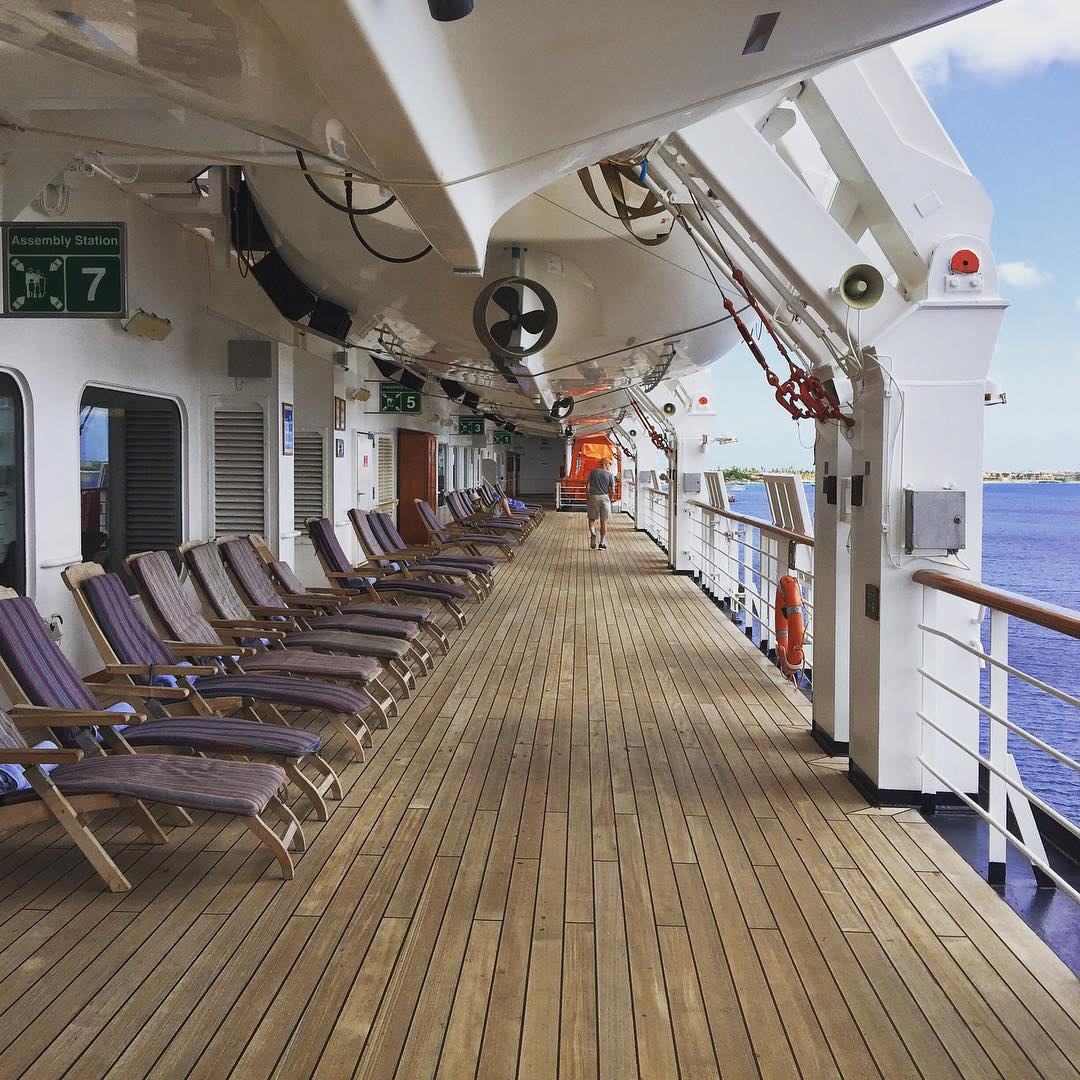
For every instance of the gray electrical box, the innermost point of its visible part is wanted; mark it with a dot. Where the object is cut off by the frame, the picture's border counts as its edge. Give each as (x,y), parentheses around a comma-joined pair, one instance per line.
(691,483)
(250,359)
(934,520)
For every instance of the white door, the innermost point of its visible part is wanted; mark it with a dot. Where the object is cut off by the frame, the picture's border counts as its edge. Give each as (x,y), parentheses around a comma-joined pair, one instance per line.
(366,471)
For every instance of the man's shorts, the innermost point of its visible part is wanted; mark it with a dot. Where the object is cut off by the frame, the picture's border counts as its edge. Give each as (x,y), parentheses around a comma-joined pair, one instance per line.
(599,507)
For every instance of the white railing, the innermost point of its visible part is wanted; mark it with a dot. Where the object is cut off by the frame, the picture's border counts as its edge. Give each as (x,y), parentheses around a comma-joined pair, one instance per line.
(571,495)
(1006,790)
(740,561)
(656,522)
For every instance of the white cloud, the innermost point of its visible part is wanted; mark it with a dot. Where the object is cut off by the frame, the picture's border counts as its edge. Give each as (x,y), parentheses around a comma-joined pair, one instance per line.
(1007,38)
(1022,275)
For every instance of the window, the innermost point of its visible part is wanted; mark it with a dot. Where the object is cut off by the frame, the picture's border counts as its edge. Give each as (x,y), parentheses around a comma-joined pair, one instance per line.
(308,476)
(239,472)
(12,496)
(130,475)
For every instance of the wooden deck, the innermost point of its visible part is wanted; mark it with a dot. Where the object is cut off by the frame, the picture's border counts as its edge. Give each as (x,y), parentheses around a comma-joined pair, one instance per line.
(599,842)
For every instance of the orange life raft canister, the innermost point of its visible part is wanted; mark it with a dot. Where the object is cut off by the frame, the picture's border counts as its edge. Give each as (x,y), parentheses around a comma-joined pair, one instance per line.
(790,629)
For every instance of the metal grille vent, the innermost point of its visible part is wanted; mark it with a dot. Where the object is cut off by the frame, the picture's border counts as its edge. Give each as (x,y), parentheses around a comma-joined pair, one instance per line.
(239,472)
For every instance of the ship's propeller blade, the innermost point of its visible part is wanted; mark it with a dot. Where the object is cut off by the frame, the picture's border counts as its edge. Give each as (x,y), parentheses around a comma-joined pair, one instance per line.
(508,299)
(533,322)
(502,332)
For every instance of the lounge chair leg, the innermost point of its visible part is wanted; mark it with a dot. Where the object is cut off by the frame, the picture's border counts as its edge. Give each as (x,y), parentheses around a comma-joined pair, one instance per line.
(270,839)
(394,673)
(353,736)
(145,820)
(331,785)
(404,666)
(84,839)
(422,657)
(433,631)
(294,838)
(456,612)
(383,702)
(307,789)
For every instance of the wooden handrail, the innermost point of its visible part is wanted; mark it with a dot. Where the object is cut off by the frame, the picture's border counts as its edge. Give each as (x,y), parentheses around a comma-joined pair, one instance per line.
(1062,620)
(758,523)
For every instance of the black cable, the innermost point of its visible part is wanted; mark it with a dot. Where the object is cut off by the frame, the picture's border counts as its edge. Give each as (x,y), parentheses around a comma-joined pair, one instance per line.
(367,247)
(352,210)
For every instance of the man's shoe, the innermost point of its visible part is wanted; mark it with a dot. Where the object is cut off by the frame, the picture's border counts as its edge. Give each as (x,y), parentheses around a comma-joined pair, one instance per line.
(603,545)
(592,542)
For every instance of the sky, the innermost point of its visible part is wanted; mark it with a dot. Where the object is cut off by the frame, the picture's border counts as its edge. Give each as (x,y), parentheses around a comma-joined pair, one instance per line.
(1005,82)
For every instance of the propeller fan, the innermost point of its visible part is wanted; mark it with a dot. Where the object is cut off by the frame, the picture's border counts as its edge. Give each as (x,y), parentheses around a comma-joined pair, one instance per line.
(506,294)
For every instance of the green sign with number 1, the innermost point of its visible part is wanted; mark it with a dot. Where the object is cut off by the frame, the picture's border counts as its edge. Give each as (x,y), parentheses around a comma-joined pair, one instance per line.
(72,270)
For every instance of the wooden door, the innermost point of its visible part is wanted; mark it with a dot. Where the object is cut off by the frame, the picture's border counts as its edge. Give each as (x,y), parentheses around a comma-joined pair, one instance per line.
(416,480)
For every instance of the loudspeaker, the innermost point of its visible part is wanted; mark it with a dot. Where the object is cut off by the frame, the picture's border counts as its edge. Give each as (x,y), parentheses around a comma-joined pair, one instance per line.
(249,360)
(862,286)
(670,409)
(449,10)
(470,400)
(289,294)
(330,319)
(386,369)
(411,381)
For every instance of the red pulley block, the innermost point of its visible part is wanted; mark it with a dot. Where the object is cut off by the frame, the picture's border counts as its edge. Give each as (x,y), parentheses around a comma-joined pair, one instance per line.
(964,262)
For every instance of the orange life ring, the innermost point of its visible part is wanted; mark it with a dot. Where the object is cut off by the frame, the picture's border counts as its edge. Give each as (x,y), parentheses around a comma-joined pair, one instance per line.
(789,625)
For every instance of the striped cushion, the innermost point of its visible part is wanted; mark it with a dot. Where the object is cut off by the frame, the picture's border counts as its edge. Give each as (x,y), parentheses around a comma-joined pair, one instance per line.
(437,590)
(485,539)
(223,733)
(11,738)
(231,787)
(43,672)
(128,635)
(303,693)
(473,562)
(319,665)
(366,624)
(204,562)
(326,543)
(161,588)
(249,571)
(345,641)
(414,613)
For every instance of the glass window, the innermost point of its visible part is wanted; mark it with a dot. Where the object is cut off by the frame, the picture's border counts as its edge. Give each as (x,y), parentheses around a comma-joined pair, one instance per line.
(12,508)
(129,475)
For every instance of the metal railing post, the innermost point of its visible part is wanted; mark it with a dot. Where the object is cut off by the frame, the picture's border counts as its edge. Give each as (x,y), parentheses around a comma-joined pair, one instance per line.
(999,744)
(929,693)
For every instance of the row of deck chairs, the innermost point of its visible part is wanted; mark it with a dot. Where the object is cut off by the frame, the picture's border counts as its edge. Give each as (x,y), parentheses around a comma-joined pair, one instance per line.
(218,679)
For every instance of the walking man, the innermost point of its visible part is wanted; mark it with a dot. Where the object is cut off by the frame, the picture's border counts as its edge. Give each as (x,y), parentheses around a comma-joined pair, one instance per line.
(601,485)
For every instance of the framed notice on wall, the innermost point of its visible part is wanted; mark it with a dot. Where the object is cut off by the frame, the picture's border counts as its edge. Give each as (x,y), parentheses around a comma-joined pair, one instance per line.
(339,414)
(288,428)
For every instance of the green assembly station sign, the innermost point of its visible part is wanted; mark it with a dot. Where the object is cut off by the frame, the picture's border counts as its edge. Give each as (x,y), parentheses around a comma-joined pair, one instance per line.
(470,425)
(393,397)
(503,438)
(70,270)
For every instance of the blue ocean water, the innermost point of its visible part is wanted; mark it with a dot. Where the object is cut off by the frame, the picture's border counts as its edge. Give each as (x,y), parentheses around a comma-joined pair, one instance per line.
(1031,545)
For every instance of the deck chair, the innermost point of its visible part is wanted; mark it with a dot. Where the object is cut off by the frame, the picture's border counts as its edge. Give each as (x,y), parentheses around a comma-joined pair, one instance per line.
(391,540)
(334,599)
(80,785)
(187,635)
(136,659)
(469,518)
(413,559)
(255,585)
(228,609)
(490,502)
(340,571)
(535,509)
(445,536)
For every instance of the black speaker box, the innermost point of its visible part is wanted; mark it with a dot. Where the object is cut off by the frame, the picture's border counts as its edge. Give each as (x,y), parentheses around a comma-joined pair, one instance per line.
(289,294)
(330,319)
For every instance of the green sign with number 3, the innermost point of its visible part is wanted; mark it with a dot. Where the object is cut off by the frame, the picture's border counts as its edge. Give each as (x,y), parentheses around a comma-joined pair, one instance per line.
(69,270)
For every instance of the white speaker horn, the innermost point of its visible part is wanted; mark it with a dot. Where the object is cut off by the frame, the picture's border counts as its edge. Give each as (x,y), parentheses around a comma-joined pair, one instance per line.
(861,286)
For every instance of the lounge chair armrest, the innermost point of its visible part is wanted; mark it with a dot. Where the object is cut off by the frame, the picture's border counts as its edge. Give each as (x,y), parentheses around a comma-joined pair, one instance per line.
(363,572)
(190,649)
(309,603)
(156,669)
(63,756)
(245,633)
(43,716)
(413,551)
(272,612)
(244,624)
(121,690)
